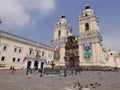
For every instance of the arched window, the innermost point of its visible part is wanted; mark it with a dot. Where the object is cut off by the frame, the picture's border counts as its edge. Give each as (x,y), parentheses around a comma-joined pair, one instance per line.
(43,53)
(86,26)
(86,15)
(30,51)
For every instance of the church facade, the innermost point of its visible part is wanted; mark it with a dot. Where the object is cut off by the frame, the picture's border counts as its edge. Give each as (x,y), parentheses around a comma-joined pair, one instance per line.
(89,39)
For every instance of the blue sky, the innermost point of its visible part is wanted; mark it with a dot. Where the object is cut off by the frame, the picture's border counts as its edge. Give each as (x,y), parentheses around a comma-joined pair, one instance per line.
(35,19)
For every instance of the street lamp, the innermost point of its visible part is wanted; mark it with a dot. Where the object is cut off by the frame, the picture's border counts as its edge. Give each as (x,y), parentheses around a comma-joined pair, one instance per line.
(52,64)
(0,21)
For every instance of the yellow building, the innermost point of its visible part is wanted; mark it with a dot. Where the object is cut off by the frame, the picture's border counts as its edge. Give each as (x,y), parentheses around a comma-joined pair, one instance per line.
(21,53)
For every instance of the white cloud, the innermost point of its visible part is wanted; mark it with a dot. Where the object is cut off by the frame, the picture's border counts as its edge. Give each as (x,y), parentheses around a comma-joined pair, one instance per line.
(43,6)
(46,5)
(13,14)
(17,13)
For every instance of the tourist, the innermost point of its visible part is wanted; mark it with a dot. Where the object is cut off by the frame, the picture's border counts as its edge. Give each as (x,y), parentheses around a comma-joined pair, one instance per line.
(65,73)
(40,72)
(60,72)
(12,69)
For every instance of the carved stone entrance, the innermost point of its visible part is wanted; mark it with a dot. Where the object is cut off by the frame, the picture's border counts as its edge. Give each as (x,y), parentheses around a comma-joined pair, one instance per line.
(71,53)
(71,62)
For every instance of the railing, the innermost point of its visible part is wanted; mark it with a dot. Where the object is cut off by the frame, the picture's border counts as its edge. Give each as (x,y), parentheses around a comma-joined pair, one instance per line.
(34,56)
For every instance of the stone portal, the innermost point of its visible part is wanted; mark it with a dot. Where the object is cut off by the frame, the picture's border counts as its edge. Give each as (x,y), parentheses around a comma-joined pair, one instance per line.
(71,52)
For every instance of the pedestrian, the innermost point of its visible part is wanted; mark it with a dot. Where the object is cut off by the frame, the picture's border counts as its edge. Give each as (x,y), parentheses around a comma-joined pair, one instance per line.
(40,72)
(12,70)
(27,70)
(30,69)
(79,69)
(72,71)
(65,73)
(60,72)
(76,71)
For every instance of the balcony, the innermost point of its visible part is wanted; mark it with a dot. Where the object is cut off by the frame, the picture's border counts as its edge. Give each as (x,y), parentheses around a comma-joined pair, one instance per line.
(34,57)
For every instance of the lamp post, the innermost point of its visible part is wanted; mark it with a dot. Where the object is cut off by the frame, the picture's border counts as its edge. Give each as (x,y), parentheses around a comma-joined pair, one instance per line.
(52,64)
(0,21)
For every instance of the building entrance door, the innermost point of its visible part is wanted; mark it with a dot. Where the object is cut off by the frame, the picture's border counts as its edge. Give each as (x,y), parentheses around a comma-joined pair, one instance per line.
(36,65)
(29,64)
(71,63)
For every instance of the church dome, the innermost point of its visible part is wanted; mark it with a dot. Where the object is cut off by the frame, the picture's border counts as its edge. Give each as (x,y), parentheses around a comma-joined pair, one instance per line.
(63,20)
(88,10)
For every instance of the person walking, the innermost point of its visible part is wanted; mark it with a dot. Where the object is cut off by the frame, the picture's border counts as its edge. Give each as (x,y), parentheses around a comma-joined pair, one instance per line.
(40,72)
(12,69)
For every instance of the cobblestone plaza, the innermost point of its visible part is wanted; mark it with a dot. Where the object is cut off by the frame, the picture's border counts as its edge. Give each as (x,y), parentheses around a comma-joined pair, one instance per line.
(93,80)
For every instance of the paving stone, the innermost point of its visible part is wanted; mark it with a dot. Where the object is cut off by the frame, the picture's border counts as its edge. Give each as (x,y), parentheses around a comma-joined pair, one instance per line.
(21,81)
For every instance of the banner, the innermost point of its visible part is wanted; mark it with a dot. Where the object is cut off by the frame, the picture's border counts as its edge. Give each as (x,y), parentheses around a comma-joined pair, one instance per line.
(87,50)
(57,51)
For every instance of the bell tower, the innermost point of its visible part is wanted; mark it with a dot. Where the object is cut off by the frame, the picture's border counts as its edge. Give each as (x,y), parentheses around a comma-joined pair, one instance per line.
(62,30)
(88,21)
(90,40)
